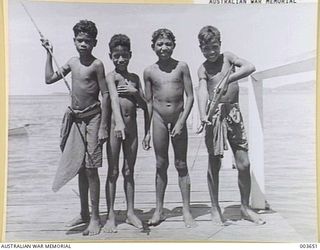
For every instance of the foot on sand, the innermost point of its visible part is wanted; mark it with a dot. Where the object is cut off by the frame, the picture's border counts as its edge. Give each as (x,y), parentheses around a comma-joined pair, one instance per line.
(93,228)
(250,215)
(78,221)
(156,219)
(133,220)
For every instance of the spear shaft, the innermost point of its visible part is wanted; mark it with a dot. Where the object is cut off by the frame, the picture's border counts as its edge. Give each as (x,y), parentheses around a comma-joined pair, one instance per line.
(53,57)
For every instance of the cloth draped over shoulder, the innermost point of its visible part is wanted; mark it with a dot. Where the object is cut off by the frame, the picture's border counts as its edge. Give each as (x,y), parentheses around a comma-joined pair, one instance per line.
(72,144)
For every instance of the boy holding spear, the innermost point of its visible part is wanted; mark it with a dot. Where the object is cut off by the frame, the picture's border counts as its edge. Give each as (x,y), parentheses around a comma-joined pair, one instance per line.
(223,121)
(87,128)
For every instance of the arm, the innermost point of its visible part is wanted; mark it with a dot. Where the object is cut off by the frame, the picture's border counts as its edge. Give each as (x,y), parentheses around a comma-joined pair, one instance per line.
(189,100)
(149,101)
(115,105)
(143,104)
(137,93)
(105,103)
(140,97)
(245,68)
(50,75)
(203,95)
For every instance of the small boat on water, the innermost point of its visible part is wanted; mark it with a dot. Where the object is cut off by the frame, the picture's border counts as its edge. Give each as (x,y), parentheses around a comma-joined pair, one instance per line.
(19,131)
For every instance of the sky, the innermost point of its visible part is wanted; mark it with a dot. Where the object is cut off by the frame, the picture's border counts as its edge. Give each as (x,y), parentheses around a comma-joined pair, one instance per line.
(266,35)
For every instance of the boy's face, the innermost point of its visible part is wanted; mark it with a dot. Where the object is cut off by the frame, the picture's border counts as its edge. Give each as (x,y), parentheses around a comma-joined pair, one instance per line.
(120,57)
(84,43)
(163,47)
(211,50)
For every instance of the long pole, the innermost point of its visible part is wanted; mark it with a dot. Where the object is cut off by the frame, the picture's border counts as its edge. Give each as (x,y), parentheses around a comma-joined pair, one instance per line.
(64,79)
(216,98)
(53,57)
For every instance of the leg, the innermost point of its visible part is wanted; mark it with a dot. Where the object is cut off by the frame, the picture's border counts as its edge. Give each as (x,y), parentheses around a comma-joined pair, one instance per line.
(83,185)
(130,147)
(94,188)
(93,162)
(214,165)
(239,144)
(244,183)
(180,145)
(161,144)
(113,151)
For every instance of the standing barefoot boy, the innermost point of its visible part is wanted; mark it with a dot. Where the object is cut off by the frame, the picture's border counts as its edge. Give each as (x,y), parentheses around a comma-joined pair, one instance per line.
(130,95)
(227,119)
(166,82)
(88,79)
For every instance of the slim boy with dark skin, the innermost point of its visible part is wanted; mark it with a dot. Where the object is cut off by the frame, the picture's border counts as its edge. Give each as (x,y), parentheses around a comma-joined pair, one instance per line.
(130,95)
(88,79)
(166,82)
(210,73)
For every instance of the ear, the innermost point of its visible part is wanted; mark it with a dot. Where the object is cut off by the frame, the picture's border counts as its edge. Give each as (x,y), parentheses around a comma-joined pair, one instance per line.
(110,56)
(94,43)
(130,54)
(152,46)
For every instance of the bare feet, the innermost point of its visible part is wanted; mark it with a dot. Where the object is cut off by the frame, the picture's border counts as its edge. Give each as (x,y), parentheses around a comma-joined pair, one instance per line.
(188,219)
(134,220)
(78,221)
(157,218)
(217,217)
(93,228)
(250,215)
(110,226)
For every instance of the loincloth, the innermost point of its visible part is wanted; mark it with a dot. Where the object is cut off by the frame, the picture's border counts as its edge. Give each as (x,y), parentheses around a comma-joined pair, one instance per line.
(226,125)
(79,143)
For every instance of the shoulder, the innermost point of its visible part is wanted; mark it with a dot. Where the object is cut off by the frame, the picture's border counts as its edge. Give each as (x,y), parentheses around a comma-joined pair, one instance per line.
(239,62)
(148,70)
(231,57)
(97,63)
(202,72)
(183,66)
(134,77)
(73,60)
(201,68)
(111,75)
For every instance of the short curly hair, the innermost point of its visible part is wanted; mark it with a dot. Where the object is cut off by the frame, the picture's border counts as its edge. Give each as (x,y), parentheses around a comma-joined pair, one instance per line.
(209,34)
(119,39)
(85,26)
(163,33)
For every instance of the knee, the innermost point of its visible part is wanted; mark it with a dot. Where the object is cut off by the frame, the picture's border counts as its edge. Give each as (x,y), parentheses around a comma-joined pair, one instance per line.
(181,167)
(243,167)
(162,163)
(127,173)
(113,175)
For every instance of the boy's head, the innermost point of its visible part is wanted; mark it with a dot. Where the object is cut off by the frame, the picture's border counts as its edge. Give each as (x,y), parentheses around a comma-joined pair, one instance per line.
(85,26)
(120,51)
(163,43)
(85,33)
(210,42)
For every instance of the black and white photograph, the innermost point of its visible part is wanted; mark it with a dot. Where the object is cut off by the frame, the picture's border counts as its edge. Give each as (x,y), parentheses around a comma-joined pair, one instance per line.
(161,122)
